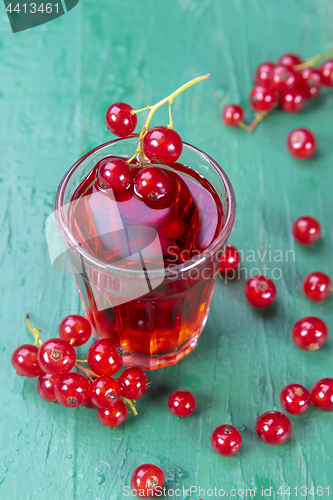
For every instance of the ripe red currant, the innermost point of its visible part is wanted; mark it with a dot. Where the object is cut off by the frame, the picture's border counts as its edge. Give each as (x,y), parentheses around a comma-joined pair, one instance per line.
(273,427)
(309,333)
(230,260)
(147,480)
(284,78)
(301,143)
(181,403)
(226,440)
(155,186)
(263,73)
(289,59)
(295,399)
(103,357)
(133,382)
(292,101)
(120,119)
(306,230)
(262,98)
(260,291)
(114,173)
(162,144)
(310,83)
(317,286)
(75,329)
(232,115)
(72,389)
(56,356)
(322,394)
(104,391)
(24,361)
(46,386)
(114,415)
(326,73)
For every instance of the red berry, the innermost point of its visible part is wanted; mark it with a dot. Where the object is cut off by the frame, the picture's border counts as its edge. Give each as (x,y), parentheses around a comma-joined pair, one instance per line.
(306,230)
(72,389)
(263,73)
(230,260)
(309,333)
(322,394)
(56,356)
(162,144)
(226,440)
(75,328)
(310,83)
(103,357)
(104,391)
(232,115)
(24,361)
(181,403)
(146,480)
(89,404)
(292,101)
(262,98)
(114,173)
(317,286)
(46,386)
(133,382)
(273,427)
(295,399)
(284,78)
(290,59)
(155,186)
(120,120)
(114,415)
(301,143)
(260,291)
(326,73)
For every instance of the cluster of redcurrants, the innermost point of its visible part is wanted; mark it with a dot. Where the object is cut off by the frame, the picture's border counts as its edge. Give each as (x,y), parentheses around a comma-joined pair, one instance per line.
(289,83)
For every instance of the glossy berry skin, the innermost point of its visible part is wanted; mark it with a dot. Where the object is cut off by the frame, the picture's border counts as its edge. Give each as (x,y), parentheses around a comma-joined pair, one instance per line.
(46,387)
(103,357)
(72,390)
(326,73)
(133,382)
(25,361)
(155,186)
(75,328)
(232,115)
(273,427)
(310,83)
(317,286)
(230,260)
(295,399)
(162,144)
(147,479)
(181,403)
(263,73)
(56,356)
(301,143)
(306,230)
(120,120)
(226,440)
(262,98)
(322,394)
(104,391)
(292,101)
(114,415)
(114,173)
(260,291)
(290,59)
(284,78)
(309,333)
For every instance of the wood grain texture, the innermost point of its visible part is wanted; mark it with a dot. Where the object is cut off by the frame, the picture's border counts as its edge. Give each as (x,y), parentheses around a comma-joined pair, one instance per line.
(56,83)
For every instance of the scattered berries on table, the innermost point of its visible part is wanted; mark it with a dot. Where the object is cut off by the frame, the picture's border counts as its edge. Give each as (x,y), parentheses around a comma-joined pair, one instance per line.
(147,479)
(306,230)
(230,260)
(309,333)
(322,394)
(301,143)
(232,115)
(226,440)
(317,286)
(273,427)
(181,403)
(295,399)
(260,291)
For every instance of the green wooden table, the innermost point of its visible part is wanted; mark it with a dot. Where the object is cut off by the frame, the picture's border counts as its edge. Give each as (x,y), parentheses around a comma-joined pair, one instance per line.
(56,82)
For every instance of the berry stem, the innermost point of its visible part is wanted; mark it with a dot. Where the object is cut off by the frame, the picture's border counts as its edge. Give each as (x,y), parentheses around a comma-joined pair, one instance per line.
(136,111)
(35,331)
(170,115)
(90,374)
(312,61)
(130,404)
(257,119)
(244,126)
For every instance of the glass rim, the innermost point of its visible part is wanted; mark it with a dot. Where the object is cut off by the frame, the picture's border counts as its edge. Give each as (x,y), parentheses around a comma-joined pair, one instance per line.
(173,270)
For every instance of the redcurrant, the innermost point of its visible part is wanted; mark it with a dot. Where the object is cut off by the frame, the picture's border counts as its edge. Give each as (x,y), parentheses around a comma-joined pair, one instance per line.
(260,291)
(147,480)
(181,403)
(322,394)
(295,399)
(292,101)
(310,83)
(263,73)
(262,98)
(284,78)
(232,115)
(114,173)
(155,186)
(309,333)
(24,361)
(75,329)
(326,73)
(46,386)
(114,415)
(289,59)
(226,440)
(162,144)
(56,356)
(104,391)
(306,230)
(103,357)
(133,382)
(301,143)
(230,260)
(317,286)
(72,389)
(120,119)
(273,427)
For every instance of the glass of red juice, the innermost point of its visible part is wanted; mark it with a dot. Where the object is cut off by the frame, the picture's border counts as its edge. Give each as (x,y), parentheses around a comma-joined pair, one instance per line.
(146,274)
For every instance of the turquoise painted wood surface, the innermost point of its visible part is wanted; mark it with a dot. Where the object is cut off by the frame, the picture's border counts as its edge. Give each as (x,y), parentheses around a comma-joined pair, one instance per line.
(56,83)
